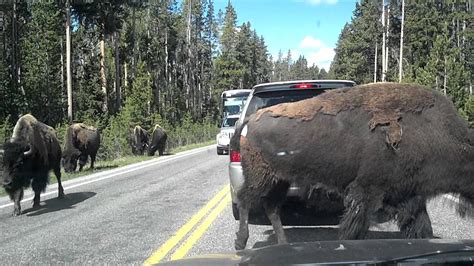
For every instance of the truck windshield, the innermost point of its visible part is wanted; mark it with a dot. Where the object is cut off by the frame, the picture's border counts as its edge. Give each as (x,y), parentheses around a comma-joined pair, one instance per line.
(229,122)
(267,99)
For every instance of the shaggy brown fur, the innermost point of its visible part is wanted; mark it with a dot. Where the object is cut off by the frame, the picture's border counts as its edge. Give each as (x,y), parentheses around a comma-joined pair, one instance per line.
(158,141)
(80,142)
(345,140)
(386,104)
(29,155)
(139,140)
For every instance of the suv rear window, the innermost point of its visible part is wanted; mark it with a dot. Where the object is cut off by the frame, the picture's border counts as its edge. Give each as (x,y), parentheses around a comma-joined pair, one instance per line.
(270,98)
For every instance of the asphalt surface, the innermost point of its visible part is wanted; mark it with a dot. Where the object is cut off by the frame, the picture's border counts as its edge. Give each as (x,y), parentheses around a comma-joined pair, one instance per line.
(123,216)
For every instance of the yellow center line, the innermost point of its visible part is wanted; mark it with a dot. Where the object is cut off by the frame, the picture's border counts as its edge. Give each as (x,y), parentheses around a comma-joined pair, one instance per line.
(200,230)
(174,240)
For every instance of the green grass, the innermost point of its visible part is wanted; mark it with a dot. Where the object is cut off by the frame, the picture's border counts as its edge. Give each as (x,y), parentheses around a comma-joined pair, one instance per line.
(107,165)
(192,146)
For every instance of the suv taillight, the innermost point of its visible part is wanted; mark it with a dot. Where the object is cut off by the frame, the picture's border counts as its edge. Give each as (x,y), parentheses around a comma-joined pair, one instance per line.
(234,157)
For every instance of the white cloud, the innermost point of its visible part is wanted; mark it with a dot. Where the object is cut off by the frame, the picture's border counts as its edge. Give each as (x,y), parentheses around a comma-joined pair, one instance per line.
(321,58)
(316,52)
(311,42)
(319,2)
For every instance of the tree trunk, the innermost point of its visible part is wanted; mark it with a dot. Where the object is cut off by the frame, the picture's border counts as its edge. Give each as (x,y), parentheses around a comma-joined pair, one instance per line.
(118,90)
(103,78)
(125,79)
(14,47)
(383,41)
(400,63)
(388,40)
(134,53)
(445,81)
(187,68)
(375,63)
(68,63)
(167,76)
(63,92)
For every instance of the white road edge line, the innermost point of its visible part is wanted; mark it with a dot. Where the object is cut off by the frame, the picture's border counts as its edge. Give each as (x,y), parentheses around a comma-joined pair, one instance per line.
(110,175)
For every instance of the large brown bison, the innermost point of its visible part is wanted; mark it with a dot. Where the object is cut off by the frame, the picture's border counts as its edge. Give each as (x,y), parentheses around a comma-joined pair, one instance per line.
(158,141)
(29,155)
(139,139)
(385,148)
(80,142)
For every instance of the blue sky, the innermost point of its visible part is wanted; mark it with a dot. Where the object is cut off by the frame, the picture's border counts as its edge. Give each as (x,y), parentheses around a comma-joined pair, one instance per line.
(306,27)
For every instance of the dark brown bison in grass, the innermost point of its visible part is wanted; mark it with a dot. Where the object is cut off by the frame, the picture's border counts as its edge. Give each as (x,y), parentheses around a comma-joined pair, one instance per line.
(157,141)
(29,155)
(139,139)
(80,142)
(385,148)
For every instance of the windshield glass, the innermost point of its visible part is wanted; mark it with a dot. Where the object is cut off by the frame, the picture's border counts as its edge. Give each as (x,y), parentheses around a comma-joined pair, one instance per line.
(229,122)
(267,99)
(233,106)
(122,137)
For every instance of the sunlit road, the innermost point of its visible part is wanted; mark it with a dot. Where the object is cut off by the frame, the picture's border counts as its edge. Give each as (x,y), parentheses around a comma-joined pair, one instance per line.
(174,206)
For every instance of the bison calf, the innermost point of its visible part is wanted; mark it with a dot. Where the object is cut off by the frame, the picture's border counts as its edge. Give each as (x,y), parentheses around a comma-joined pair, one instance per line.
(80,142)
(386,148)
(29,155)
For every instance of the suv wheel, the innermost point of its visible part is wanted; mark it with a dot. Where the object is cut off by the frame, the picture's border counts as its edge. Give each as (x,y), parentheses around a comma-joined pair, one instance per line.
(220,151)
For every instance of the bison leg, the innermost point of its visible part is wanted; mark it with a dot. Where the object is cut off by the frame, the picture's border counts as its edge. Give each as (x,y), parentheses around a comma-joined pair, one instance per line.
(413,219)
(38,185)
(272,205)
(16,197)
(355,222)
(93,160)
(243,233)
(82,161)
(57,173)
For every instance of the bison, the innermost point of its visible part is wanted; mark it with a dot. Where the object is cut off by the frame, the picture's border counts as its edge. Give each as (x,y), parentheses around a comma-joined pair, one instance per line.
(385,148)
(80,142)
(158,141)
(139,139)
(29,155)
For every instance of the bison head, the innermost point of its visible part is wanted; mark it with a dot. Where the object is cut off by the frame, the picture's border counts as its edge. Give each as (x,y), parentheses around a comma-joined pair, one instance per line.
(17,164)
(69,160)
(139,145)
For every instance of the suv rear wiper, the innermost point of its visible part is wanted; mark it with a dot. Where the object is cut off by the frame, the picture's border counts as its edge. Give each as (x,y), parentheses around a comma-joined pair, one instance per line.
(440,257)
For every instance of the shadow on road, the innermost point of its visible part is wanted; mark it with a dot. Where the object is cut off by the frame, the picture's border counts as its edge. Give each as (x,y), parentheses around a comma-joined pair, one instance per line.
(318,234)
(55,204)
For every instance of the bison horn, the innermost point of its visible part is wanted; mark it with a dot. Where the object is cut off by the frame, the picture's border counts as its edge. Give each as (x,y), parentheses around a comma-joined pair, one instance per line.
(28,152)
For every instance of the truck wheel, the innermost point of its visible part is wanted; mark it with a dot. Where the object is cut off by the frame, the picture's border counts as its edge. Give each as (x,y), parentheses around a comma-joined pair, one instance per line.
(220,152)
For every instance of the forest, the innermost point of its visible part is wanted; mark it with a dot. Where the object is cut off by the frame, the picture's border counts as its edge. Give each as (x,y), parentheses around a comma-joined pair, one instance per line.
(117,64)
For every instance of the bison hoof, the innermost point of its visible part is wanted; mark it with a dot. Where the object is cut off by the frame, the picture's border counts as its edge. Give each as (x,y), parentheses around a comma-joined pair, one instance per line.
(61,196)
(239,245)
(16,213)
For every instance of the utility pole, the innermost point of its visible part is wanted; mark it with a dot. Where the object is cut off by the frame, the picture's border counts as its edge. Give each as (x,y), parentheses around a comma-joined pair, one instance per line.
(68,62)
(400,63)
(383,41)
(375,63)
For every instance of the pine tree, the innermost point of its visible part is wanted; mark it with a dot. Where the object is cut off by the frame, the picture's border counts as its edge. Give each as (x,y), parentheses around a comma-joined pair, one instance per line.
(41,62)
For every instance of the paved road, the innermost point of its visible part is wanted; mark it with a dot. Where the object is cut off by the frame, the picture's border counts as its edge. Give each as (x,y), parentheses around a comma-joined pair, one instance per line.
(172,206)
